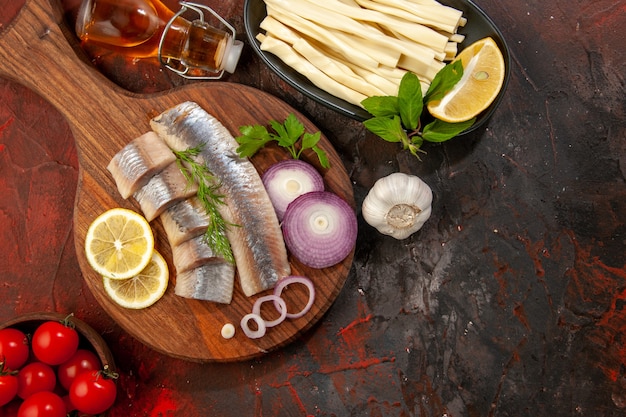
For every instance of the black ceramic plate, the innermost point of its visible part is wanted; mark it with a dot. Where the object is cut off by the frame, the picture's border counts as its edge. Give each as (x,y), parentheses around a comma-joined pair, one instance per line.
(479,25)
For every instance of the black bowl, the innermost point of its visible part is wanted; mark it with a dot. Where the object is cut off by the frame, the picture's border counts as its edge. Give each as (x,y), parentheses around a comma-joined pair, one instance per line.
(479,26)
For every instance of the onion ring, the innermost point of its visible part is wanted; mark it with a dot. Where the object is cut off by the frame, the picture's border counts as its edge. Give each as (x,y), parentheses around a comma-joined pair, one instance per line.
(253,334)
(320,229)
(288,179)
(280,305)
(296,279)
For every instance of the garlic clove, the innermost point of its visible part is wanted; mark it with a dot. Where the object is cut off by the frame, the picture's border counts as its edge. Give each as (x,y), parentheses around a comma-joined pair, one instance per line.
(398,205)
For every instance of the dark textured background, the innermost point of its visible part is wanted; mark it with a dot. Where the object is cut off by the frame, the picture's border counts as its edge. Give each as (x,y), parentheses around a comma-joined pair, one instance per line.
(509,302)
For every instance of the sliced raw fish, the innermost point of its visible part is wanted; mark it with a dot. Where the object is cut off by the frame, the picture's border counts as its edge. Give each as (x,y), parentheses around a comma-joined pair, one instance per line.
(184,220)
(192,253)
(134,165)
(164,189)
(212,281)
(257,243)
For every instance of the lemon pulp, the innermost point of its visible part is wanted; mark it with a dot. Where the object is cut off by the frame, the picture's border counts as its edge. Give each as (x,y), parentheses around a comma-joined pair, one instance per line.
(483,77)
(119,243)
(142,290)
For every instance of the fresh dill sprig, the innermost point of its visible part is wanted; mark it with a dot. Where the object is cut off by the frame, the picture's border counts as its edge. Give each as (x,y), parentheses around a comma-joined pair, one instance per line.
(208,193)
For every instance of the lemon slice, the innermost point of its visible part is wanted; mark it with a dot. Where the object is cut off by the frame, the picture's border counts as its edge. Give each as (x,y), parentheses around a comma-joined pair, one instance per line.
(142,290)
(483,77)
(119,243)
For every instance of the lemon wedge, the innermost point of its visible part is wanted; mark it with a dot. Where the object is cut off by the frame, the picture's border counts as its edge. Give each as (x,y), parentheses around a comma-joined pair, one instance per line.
(142,290)
(483,77)
(119,243)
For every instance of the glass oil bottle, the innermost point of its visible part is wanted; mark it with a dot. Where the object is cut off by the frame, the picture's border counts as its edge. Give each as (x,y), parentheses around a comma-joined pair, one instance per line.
(148,28)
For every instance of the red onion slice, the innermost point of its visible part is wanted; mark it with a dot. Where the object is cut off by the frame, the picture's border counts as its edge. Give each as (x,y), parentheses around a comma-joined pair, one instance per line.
(320,229)
(280,305)
(296,279)
(261,328)
(287,180)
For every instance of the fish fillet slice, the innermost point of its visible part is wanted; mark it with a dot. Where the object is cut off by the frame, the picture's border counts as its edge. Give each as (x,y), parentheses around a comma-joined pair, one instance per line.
(257,245)
(192,253)
(134,165)
(184,220)
(212,281)
(164,189)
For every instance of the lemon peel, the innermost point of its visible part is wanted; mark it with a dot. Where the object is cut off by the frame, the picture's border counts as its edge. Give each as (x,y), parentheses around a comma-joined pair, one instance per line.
(483,78)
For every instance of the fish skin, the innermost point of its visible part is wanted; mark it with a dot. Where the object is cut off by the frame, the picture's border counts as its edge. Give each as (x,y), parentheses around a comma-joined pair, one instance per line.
(134,165)
(212,281)
(257,243)
(192,253)
(185,224)
(164,189)
(184,220)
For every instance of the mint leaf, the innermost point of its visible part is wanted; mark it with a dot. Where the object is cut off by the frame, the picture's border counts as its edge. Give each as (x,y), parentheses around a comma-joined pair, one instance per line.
(381,106)
(389,129)
(444,81)
(410,100)
(440,131)
(397,119)
(417,141)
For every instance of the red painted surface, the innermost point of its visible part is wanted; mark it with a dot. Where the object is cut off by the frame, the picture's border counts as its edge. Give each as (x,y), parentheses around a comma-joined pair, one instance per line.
(510,301)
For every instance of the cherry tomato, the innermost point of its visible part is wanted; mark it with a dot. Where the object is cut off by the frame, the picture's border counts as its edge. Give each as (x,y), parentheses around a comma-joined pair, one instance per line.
(14,348)
(93,392)
(42,404)
(8,386)
(54,342)
(82,361)
(35,377)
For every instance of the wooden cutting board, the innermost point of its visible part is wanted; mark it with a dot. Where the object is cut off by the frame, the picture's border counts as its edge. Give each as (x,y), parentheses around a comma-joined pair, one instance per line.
(35,51)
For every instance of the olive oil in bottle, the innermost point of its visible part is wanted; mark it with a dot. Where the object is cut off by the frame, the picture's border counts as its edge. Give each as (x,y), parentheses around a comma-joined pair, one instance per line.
(147,28)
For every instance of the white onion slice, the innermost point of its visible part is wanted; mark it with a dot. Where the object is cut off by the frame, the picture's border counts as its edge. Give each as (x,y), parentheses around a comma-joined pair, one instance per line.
(320,229)
(278,302)
(296,279)
(287,180)
(253,334)
(228,331)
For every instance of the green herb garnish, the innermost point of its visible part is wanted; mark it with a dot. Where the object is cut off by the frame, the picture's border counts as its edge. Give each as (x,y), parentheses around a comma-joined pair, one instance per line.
(288,134)
(208,193)
(398,118)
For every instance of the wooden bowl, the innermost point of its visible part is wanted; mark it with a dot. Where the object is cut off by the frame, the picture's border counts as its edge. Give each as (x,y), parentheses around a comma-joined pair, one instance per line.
(89,338)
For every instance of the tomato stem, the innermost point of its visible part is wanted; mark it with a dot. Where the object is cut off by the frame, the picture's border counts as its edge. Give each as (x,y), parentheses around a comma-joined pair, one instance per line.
(67,322)
(4,371)
(108,373)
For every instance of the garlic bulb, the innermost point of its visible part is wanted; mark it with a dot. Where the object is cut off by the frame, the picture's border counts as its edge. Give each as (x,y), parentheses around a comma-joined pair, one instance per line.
(398,205)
